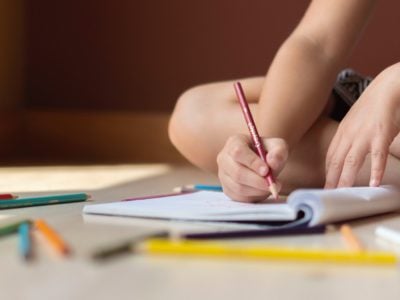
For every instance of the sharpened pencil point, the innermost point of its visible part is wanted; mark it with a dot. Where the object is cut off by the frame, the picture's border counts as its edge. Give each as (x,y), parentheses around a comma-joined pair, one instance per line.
(274,191)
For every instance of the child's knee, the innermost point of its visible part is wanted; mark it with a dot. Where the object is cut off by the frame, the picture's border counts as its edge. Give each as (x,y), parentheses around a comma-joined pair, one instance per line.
(185,119)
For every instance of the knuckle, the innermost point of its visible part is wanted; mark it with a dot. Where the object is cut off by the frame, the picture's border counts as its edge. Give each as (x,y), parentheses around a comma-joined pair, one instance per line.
(236,151)
(335,164)
(254,162)
(236,175)
(378,155)
(351,161)
(231,140)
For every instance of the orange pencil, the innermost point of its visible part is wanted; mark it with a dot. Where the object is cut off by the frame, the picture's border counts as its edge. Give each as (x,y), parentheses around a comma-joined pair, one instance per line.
(53,237)
(350,239)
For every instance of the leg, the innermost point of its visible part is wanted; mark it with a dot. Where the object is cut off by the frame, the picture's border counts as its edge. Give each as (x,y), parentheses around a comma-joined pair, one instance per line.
(206,116)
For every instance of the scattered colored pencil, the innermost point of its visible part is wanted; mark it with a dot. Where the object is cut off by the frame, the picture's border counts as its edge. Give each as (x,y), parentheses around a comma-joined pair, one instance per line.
(43,200)
(351,240)
(257,251)
(11,228)
(198,187)
(52,237)
(25,242)
(7,196)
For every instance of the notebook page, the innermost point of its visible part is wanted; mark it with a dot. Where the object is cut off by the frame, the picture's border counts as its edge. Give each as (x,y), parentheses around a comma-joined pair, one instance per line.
(203,205)
(346,203)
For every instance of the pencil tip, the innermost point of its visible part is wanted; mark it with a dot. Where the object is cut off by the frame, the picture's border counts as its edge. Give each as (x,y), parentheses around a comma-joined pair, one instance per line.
(274,191)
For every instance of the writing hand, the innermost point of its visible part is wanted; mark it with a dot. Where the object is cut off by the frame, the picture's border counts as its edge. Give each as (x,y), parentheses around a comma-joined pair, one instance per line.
(241,171)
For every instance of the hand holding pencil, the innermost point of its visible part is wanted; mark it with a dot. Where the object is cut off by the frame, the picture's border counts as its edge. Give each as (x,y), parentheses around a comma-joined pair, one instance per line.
(245,169)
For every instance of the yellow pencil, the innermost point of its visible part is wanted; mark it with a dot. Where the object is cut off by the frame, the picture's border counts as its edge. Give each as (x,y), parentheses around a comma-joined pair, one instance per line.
(52,237)
(210,249)
(351,240)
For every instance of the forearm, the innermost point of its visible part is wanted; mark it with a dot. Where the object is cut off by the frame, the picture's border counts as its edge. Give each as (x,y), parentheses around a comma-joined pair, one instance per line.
(298,79)
(301,76)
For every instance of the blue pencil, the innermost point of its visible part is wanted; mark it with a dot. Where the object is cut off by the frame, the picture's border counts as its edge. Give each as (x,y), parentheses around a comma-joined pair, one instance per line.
(204,187)
(25,244)
(199,187)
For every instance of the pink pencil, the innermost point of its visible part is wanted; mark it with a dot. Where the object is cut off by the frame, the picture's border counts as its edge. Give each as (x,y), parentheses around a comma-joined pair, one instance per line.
(255,137)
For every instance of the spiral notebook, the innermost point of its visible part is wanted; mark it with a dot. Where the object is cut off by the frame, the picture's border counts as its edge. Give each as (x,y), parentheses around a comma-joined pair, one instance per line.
(310,207)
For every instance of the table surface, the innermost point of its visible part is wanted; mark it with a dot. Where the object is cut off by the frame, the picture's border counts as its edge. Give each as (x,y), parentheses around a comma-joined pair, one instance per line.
(159,277)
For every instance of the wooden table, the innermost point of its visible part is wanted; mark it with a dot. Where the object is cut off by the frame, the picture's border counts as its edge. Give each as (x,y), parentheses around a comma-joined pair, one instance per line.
(158,277)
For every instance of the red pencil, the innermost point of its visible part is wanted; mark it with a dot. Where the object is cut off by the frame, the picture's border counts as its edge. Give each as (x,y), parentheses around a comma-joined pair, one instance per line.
(7,196)
(255,136)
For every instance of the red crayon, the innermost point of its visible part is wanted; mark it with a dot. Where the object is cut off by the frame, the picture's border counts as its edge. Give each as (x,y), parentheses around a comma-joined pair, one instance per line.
(258,144)
(7,196)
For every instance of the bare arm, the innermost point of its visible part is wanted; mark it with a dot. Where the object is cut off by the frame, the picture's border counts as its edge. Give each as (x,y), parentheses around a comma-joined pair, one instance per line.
(306,65)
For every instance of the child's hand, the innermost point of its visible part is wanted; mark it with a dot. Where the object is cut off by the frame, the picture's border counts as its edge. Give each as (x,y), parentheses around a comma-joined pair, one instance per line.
(369,128)
(241,171)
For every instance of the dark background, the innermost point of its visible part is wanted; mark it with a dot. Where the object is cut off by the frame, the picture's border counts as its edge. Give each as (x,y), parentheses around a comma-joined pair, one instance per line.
(140,55)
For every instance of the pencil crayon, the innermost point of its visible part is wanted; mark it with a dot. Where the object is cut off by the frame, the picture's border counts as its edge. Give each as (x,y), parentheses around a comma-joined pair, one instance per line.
(258,144)
(257,251)
(43,200)
(7,196)
(11,228)
(52,237)
(25,243)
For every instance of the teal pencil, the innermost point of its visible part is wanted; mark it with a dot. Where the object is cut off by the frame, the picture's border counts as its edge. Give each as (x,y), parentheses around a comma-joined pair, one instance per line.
(43,200)
(25,243)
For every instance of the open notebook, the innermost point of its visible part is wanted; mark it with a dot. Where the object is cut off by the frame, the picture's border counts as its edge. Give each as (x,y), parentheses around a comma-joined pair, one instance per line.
(303,207)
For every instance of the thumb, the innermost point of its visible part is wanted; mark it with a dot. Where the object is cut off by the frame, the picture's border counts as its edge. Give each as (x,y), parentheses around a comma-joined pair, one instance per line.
(278,152)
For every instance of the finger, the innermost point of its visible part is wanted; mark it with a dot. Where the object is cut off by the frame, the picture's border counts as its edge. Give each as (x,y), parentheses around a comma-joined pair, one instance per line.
(332,150)
(277,153)
(379,154)
(241,174)
(241,192)
(335,166)
(352,164)
(240,152)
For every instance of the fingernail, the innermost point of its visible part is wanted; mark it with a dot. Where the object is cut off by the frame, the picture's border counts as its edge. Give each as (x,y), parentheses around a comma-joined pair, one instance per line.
(373,183)
(263,170)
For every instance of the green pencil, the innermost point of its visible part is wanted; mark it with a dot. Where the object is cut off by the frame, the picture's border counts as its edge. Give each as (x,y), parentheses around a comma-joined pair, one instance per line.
(11,228)
(43,200)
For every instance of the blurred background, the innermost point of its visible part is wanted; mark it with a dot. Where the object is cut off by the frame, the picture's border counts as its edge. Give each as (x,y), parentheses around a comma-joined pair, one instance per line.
(96,80)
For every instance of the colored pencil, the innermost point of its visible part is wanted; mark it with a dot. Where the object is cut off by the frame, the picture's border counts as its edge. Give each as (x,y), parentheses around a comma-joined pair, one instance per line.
(125,247)
(43,200)
(351,240)
(257,251)
(258,144)
(198,187)
(11,228)
(52,237)
(25,243)
(7,196)
(176,193)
